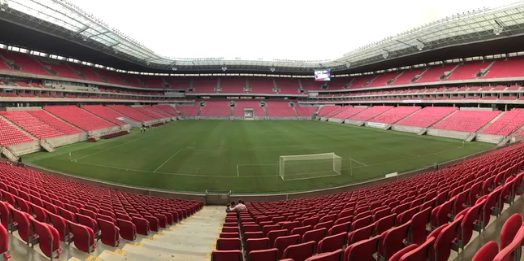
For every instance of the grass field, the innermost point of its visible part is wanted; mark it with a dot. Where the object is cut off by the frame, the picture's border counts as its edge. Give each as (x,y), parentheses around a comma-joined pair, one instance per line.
(243,156)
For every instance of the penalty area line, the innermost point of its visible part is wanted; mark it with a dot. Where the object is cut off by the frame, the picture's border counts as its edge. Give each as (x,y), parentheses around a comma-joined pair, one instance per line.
(167,160)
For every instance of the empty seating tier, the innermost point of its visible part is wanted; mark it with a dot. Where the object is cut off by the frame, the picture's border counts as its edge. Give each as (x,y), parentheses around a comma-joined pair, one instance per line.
(407,76)
(149,112)
(188,110)
(9,135)
(383,79)
(79,118)
(507,123)
(349,111)
(467,121)
(287,86)
(168,109)
(104,112)
(396,114)
(32,125)
(279,109)
(54,122)
(305,111)
(238,110)
(427,116)
(503,69)
(205,85)
(131,113)
(467,71)
(216,108)
(433,74)
(232,85)
(261,85)
(326,109)
(370,113)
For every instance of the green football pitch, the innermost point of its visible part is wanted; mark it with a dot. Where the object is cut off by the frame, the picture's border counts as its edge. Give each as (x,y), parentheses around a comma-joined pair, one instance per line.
(243,156)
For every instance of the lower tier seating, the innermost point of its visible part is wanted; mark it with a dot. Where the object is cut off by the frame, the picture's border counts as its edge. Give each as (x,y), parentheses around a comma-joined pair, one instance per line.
(396,114)
(326,109)
(370,113)
(188,110)
(32,125)
(238,110)
(507,123)
(305,111)
(467,121)
(9,135)
(54,122)
(78,117)
(168,109)
(279,109)
(131,113)
(216,108)
(427,116)
(349,111)
(424,217)
(149,112)
(104,112)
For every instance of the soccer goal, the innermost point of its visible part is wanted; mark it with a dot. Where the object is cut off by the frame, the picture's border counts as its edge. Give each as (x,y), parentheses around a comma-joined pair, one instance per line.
(294,167)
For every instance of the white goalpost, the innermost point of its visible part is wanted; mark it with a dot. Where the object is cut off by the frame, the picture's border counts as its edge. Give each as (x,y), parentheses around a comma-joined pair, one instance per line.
(293,167)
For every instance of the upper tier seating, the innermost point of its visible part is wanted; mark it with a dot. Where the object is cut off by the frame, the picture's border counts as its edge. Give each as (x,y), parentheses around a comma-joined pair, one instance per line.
(338,83)
(427,116)
(232,85)
(507,123)
(370,113)
(86,72)
(61,69)
(279,109)
(502,69)
(146,110)
(360,81)
(261,85)
(131,113)
(407,76)
(205,85)
(238,110)
(130,80)
(383,79)
(31,124)
(216,108)
(153,82)
(168,109)
(305,111)
(287,86)
(9,135)
(79,118)
(311,85)
(467,71)
(110,76)
(349,111)
(104,113)
(467,121)
(393,217)
(326,109)
(54,122)
(27,63)
(396,114)
(188,110)
(178,82)
(433,74)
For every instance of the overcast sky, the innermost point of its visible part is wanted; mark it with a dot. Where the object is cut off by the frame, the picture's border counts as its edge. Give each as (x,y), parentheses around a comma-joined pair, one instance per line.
(271,29)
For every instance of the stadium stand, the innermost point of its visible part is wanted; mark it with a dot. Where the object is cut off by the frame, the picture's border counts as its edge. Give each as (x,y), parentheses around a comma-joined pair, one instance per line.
(32,124)
(419,201)
(506,68)
(188,110)
(407,76)
(54,122)
(383,79)
(104,113)
(147,110)
(370,113)
(433,74)
(467,71)
(216,108)
(360,82)
(159,111)
(287,86)
(79,118)
(9,135)
(279,109)
(305,111)
(427,116)
(232,85)
(86,72)
(168,109)
(335,112)
(507,123)
(152,81)
(60,69)
(205,85)
(261,85)
(349,111)
(130,113)
(338,83)
(467,121)
(311,85)
(326,109)
(396,114)
(238,110)
(26,63)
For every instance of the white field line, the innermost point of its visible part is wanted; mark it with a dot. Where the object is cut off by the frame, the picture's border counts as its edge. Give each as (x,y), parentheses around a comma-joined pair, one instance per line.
(168,160)
(359,162)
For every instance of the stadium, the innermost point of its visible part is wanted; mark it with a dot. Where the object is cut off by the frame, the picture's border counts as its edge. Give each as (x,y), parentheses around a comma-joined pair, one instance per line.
(407,148)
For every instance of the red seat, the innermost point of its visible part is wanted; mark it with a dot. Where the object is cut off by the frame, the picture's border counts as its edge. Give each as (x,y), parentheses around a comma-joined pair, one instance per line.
(256,244)
(249,235)
(362,250)
(39,213)
(360,223)
(402,252)
(385,223)
(513,250)
(128,230)
(67,215)
(417,233)
(154,225)
(330,256)
(509,230)
(487,252)
(419,253)
(469,222)
(48,239)
(142,226)
(440,214)
(88,222)
(300,252)
(83,237)
(109,233)
(314,235)
(289,226)
(268,228)
(273,235)
(392,240)
(228,244)
(326,225)
(263,255)
(340,228)
(4,245)
(300,230)
(281,243)
(25,230)
(5,215)
(332,243)
(59,223)
(360,234)
(226,255)
(444,240)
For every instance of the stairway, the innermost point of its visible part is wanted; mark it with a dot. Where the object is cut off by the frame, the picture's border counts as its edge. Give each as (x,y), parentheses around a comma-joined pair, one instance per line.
(449,115)
(491,122)
(192,239)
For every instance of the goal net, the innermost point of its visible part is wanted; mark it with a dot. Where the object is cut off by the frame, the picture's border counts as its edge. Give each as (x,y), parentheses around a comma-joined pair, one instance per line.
(309,166)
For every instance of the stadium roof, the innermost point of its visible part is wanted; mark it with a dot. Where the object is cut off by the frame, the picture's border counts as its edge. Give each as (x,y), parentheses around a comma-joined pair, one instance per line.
(59,27)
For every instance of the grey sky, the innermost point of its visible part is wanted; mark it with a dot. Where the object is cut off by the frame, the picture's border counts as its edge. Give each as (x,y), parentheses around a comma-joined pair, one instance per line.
(271,29)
